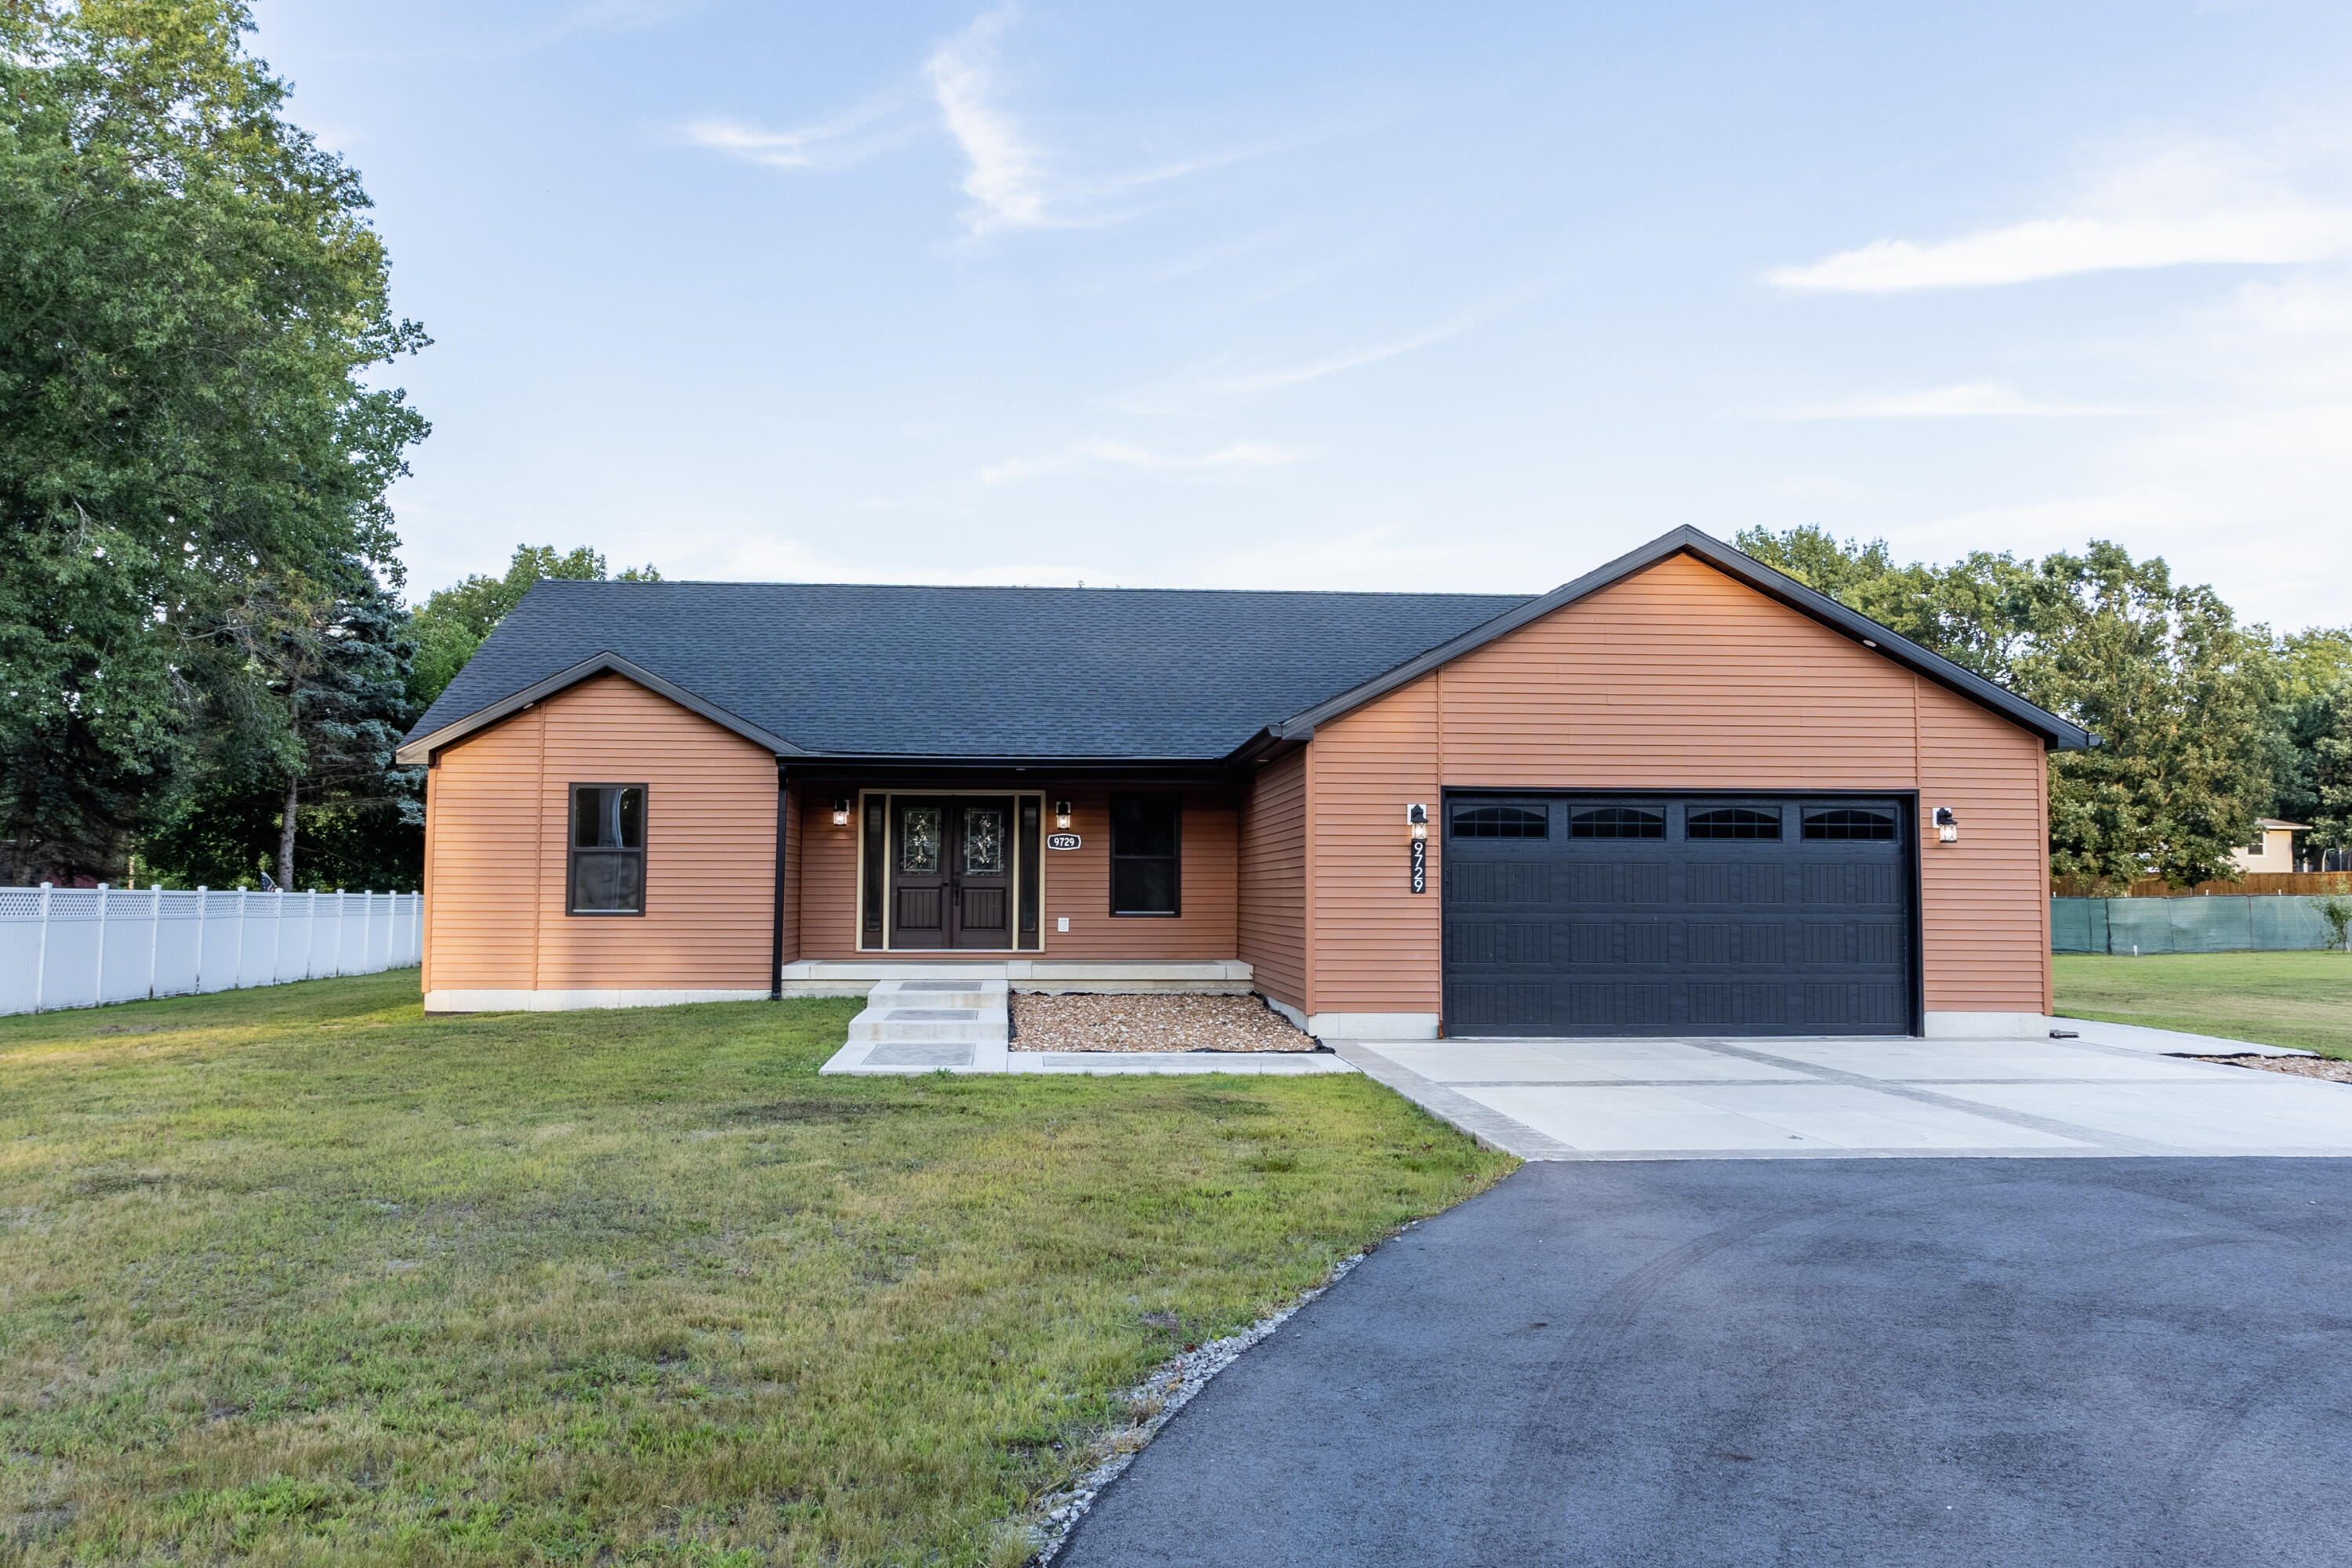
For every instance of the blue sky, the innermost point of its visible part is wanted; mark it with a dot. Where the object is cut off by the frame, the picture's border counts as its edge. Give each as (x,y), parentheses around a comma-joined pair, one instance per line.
(1358,296)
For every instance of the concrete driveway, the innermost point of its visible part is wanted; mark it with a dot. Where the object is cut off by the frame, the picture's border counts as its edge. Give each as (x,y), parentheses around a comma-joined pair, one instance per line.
(2115,1090)
(1887,1363)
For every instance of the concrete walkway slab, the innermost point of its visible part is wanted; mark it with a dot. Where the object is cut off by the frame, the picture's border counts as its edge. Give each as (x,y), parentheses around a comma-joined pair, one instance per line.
(1847,1098)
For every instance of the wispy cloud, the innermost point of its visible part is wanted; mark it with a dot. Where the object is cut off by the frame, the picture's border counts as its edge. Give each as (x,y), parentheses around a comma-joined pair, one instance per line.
(2188,204)
(1970,400)
(870,127)
(1005,178)
(1233,458)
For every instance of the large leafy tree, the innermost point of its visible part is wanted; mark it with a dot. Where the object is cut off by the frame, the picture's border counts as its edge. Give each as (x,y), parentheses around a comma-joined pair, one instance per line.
(2174,688)
(190,299)
(452,623)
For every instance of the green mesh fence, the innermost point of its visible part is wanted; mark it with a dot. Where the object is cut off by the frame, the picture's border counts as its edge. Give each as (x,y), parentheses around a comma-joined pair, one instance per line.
(2275,922)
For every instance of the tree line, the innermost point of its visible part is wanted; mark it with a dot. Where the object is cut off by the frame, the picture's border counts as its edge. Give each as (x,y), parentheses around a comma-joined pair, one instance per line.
(208,662)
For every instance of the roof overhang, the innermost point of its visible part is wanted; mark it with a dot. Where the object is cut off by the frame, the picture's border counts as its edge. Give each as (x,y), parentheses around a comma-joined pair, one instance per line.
(2058,735)
(420,747)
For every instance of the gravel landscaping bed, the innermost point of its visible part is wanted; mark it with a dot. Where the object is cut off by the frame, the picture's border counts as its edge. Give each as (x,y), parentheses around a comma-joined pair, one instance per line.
(2301,1066)
(1156,1023)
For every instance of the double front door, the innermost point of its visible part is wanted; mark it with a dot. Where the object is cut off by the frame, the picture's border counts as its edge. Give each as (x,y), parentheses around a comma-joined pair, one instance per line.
(952,867)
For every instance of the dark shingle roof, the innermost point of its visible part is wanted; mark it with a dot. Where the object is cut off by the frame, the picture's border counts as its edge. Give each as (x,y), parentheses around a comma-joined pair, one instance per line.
(1073,673)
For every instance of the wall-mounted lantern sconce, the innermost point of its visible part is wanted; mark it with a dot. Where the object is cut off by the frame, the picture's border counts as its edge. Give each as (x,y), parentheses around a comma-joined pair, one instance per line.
(1417,818)
(841,811)
(1947,826)
(1061,814)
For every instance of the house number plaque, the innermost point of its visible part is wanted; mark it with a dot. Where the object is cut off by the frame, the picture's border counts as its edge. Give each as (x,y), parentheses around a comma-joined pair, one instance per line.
(1062,841)
(1420,865)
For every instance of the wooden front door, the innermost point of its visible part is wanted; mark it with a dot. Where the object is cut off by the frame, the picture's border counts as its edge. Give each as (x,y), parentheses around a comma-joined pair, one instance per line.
(951,862)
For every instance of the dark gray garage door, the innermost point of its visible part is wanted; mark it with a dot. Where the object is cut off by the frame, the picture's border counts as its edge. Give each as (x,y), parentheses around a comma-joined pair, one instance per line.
(1678,914)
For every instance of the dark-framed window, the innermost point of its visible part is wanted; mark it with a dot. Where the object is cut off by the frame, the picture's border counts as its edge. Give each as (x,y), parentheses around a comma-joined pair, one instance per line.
(1501,822)
(1145,832)
(1733,822)
(1850,822)
(607,872)
(1617,822)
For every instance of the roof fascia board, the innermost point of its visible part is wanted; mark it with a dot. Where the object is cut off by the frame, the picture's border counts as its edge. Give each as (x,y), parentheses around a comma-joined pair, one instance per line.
(2059,734)
(421,749)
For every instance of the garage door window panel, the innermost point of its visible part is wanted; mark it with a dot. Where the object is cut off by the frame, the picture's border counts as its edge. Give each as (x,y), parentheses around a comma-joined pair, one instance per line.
(1501,822)
(1733,822)
(1617,822)
(1850,825)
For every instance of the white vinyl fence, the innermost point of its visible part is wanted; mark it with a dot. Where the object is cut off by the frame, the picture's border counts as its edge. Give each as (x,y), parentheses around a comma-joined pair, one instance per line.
(80,947)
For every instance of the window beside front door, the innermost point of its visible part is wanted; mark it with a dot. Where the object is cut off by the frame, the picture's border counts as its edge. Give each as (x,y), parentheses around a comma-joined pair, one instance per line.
(607,871)
(1144,859)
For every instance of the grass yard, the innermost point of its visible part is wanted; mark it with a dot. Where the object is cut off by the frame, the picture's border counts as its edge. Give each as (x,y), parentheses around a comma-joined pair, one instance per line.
(296,1275)
(2275,999)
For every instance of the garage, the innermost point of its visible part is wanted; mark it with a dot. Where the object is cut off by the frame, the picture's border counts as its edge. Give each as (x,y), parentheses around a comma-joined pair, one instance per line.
(1580,914)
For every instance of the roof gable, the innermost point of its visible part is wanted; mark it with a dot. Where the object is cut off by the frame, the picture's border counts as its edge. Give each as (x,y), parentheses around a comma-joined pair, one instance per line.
(2056,733)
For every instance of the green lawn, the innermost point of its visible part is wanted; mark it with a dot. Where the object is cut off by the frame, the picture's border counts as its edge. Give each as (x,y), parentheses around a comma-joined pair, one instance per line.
(298,1274)
(2277,998)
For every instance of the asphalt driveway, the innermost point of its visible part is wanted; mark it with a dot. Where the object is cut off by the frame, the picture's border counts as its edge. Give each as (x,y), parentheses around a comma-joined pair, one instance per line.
(2024,1361)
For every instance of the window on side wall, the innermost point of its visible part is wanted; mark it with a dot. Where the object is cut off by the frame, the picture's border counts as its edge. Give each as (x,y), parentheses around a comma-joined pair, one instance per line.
(608,874)
(1143,854)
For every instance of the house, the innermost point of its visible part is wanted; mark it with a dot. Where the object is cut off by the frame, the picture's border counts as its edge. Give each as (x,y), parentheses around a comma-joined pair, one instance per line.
(1682,794)
(2273,849)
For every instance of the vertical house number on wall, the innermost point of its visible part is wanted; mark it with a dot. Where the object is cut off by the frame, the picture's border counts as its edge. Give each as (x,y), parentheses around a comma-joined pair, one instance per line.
(1420,865)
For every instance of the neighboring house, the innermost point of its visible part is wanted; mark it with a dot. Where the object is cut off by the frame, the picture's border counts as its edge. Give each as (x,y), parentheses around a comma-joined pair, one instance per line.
(1682,794)
(2274,851)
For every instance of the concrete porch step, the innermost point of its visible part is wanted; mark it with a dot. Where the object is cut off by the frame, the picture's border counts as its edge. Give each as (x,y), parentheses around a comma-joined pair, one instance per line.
(960,1023)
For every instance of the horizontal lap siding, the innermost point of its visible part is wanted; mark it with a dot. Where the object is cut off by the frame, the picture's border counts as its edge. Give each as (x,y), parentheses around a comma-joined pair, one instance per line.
(1679,678)
(828,880)
(1376,942)
(1273,880)
(794,837)
(1986,898)
(481,869)
(501,804)
(1076,883)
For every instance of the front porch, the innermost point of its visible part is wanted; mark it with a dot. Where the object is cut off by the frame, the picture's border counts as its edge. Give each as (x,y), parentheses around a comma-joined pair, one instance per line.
(954,1017)
(857,977)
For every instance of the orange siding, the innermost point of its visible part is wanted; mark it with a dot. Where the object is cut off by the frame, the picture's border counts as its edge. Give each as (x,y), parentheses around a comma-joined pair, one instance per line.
(1273,880)
(499,801)
(1679,678)
(1376,941)
(794,839)
(481,868)
(828,880)
(1075,883)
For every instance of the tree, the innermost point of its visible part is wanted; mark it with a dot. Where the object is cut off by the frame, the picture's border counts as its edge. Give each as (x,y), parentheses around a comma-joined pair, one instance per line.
(190,297)
(454,620)
(305,703)
(2163,675)
(2176,693)
(2310,726)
